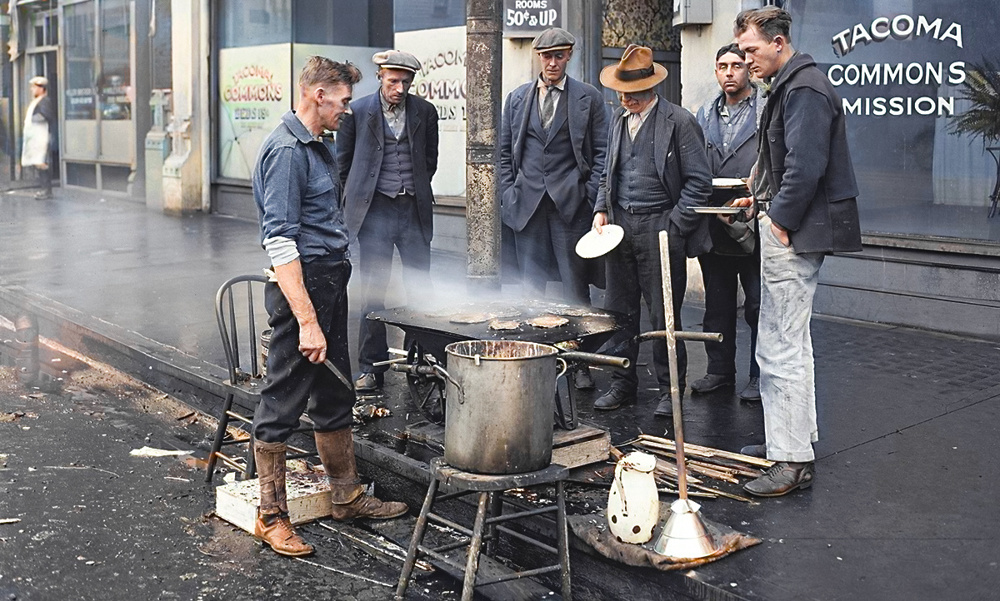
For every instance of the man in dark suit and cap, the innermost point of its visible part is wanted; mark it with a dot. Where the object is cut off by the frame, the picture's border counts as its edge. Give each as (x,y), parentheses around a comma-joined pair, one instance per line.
(656,174)
(553,138)
(388,151)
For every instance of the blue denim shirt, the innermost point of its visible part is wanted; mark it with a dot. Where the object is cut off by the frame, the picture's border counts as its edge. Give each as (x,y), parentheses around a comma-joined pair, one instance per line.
(296,185)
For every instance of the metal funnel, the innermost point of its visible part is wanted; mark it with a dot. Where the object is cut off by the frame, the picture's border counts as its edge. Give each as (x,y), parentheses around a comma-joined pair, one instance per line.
(684,535)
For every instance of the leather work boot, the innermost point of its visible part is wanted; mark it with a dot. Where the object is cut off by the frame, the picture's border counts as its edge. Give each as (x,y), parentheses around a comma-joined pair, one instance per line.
(782,478)
(613,399)
(273,526)
(336,451)
(713,382)
(582,379)
(755,450)
(368,382)
(752,391)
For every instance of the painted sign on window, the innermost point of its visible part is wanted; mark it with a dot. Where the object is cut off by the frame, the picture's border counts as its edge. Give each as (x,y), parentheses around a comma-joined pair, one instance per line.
(254,92)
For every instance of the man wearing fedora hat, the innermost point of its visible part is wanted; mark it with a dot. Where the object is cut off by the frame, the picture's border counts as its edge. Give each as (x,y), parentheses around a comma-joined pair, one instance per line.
(388,152)
(553,138)
(656,173)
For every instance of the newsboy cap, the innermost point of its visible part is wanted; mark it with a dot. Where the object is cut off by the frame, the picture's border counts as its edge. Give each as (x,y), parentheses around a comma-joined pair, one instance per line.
(38,80)
(553,38)
(396,59)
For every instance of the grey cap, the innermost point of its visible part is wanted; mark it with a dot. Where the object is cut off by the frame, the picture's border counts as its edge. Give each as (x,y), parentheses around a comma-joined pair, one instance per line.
(396,59)
(553,38)
(38,80)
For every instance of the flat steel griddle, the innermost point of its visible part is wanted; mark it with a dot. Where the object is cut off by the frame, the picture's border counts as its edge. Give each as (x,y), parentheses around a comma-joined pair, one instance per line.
(588,325)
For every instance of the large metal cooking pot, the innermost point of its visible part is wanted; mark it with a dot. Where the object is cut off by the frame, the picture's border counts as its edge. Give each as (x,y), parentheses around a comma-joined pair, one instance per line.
(499,415)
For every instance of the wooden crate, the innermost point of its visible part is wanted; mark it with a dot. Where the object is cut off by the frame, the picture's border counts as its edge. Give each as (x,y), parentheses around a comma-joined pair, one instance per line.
(308,500)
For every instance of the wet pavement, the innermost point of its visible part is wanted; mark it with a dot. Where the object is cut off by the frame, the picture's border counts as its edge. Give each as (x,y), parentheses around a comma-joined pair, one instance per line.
(94,522)
(903,504)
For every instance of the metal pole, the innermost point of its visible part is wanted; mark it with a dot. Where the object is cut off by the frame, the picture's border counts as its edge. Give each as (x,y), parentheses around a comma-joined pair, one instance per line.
(483,85)
(675,393)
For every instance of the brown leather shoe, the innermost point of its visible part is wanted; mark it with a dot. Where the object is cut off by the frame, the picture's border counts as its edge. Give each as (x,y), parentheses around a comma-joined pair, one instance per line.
(350,502)
(781,478)
(336,451)
(273,526)
(279,534)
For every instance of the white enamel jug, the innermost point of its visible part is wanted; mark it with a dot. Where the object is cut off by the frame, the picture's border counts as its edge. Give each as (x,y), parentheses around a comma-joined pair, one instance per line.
(634,504)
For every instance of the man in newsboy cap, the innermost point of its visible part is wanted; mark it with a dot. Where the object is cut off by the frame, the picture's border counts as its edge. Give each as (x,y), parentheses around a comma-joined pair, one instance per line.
(553,137)
(388,151)
(656,174)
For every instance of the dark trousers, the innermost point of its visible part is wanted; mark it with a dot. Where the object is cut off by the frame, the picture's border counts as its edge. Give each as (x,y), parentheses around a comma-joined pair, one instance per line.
(545,237)
(293,384)
(633,273)
(390,223)
(722,274)
(44,177)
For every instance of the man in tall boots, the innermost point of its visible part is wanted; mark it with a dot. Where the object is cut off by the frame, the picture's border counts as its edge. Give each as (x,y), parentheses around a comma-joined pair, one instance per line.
(296,186)
(553,139)
(388,151)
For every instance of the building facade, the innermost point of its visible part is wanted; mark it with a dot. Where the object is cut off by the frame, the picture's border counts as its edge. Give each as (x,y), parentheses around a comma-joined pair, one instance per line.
(167,101)
(931,254)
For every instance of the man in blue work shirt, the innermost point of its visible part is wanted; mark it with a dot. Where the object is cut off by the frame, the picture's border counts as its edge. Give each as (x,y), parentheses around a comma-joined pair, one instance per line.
(296,186)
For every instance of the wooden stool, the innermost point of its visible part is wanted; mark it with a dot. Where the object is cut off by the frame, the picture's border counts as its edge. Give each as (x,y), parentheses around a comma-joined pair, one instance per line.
(486,526)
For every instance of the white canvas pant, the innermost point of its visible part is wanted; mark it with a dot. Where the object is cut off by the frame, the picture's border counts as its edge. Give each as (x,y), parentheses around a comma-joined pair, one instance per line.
(784,348)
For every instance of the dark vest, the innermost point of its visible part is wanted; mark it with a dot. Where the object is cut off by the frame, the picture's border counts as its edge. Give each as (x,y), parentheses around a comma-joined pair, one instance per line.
(547,162)
(638,184)
(396,175)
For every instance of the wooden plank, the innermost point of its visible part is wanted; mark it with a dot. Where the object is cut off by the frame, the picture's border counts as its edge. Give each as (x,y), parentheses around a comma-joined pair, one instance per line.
(583,452)
(308,500)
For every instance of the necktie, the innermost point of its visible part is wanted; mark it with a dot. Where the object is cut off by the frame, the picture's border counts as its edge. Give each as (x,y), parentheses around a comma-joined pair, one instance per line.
(634,121)
(549,106)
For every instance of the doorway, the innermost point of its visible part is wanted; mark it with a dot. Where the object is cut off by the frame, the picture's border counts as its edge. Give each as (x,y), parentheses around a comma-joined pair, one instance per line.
(41,46)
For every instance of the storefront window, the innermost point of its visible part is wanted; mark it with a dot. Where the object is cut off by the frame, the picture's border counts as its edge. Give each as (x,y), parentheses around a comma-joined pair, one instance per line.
(115,81)
(899,67)
(80,53)
(254,22)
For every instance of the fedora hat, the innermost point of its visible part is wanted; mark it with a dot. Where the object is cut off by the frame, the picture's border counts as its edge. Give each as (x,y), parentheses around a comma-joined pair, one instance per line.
(636,71)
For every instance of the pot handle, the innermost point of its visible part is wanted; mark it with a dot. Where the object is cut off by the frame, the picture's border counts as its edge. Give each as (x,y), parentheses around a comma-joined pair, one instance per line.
(562,371)
(447,376)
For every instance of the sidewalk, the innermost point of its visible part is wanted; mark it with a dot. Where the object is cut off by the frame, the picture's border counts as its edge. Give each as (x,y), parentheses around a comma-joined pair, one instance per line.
(904,502)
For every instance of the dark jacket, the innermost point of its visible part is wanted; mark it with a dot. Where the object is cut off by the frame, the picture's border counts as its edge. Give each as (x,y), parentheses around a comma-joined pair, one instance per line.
(735,162)
(360,144)
(588,130)
(807,162)
(681,163)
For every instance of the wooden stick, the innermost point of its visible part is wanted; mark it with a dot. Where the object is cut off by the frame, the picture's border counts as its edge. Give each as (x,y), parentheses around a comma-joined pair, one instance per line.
(722,493)
(696,466)
(713,463)
(710,452)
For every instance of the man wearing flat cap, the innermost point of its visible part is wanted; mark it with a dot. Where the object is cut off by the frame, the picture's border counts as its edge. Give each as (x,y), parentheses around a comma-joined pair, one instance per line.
(553,139)
(656,173)
(388,152)
(39,138)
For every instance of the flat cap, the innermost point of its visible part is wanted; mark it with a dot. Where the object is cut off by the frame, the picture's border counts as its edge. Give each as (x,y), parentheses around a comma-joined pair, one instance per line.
(553,38)
(38,80)
(396,59)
